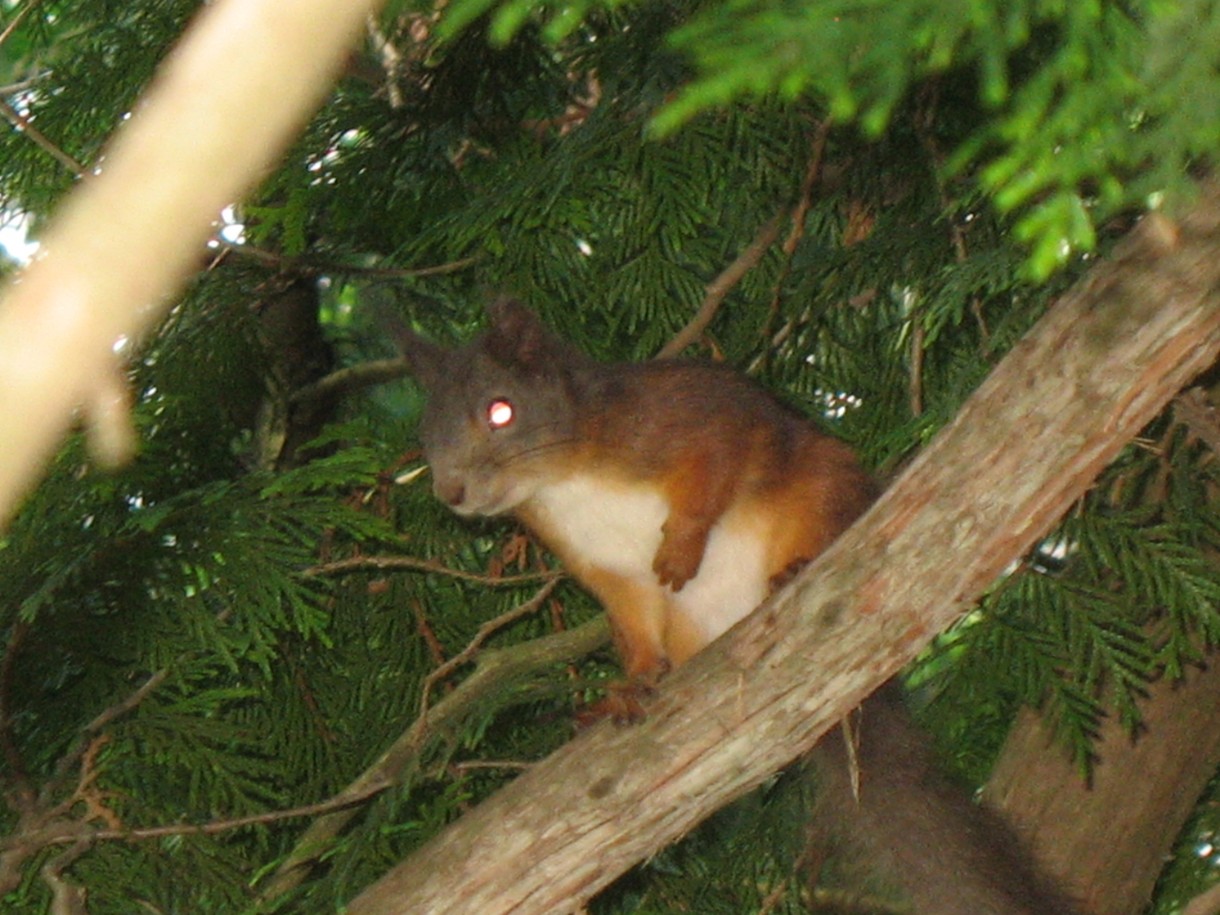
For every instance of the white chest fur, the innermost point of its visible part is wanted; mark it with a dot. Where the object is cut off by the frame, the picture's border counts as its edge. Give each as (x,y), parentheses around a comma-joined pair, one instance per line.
(617,527)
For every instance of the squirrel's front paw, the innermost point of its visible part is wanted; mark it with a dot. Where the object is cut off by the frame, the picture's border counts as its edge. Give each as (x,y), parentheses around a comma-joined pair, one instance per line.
(678,558)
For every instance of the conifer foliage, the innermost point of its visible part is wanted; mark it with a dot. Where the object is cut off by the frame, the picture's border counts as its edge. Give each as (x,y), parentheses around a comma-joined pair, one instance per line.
(202,653)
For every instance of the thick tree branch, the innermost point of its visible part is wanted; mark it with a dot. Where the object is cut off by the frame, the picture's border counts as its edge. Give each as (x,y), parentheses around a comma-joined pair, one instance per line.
(1207,903)
(1142,787)
(1030,441)
(184,155)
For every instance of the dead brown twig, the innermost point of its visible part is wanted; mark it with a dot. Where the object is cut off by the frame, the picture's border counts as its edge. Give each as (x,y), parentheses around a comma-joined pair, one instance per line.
(40,139)
(431,566)
(719,288)
(484,632)
(800,215)
(310,265)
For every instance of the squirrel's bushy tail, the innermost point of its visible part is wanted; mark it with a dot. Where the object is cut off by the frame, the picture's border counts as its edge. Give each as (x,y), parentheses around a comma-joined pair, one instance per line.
(946,854)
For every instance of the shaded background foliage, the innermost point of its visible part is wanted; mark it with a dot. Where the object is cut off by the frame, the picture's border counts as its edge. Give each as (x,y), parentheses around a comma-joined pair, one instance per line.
(939,171)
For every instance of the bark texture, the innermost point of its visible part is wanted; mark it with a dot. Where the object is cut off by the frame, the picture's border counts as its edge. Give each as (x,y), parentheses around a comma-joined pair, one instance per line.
(1097,368)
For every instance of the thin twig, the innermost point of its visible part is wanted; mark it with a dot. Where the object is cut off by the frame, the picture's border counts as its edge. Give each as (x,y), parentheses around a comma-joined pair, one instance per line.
(486,631)
(345,799)
(22,123)
(22,84)
(414,564)
(800,216)
(18,19)
(719,288)
(812,176)
(94,727)
(351,379)
(957,235)
(436,650)
(311,266)
(915,388)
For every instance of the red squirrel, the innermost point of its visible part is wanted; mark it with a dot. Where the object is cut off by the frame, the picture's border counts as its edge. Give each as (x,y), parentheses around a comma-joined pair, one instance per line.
(680,494)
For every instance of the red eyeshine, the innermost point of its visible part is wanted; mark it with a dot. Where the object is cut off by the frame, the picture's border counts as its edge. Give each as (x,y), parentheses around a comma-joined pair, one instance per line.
(500,413)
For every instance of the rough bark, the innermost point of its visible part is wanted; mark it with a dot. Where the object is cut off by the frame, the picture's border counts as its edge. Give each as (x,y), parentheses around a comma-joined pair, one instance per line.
(1141,790)
(1098,367)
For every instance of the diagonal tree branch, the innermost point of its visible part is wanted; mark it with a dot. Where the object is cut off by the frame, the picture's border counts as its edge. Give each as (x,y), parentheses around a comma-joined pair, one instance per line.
(1030,441)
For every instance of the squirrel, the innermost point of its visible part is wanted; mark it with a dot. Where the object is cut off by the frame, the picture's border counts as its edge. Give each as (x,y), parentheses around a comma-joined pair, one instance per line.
(680,494)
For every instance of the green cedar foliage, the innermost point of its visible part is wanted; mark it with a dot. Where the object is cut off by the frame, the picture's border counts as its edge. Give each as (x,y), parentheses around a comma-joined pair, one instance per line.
(183,643)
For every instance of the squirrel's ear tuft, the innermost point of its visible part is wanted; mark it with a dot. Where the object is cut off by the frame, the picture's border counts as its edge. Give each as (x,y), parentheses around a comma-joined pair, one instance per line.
(425,357)
(517,336)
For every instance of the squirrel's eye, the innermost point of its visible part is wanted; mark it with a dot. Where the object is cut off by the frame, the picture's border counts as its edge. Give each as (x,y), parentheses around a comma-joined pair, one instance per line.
(500,413)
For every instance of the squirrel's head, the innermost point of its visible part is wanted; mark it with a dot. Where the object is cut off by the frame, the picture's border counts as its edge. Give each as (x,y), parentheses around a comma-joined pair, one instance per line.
(499,411)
